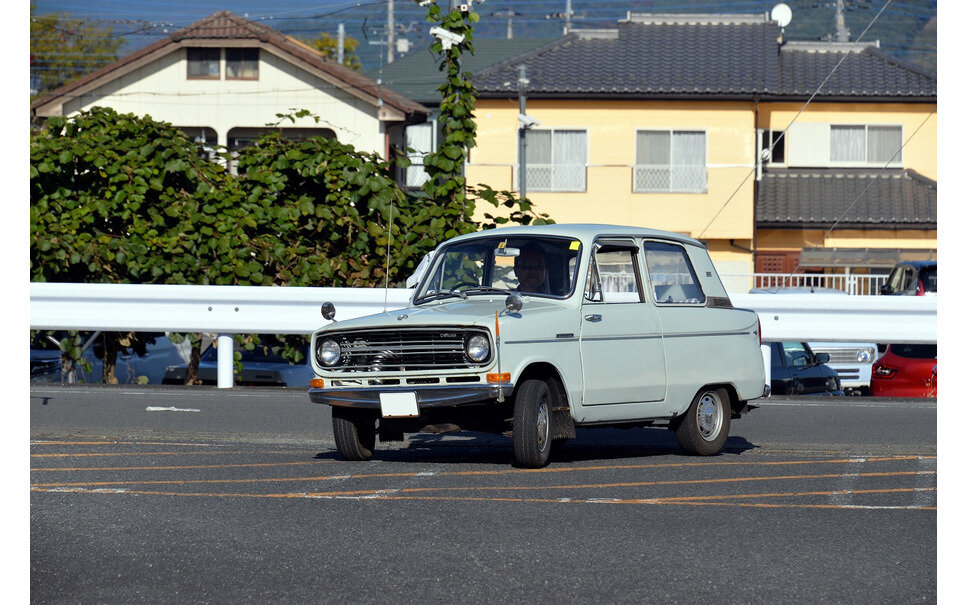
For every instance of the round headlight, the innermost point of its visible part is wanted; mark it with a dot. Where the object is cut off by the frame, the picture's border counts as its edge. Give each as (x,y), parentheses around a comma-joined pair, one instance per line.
(477,348)
(865,355)
(327,352)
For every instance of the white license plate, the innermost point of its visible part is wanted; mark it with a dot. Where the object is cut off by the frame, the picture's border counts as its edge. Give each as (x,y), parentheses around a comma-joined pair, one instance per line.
(399,404)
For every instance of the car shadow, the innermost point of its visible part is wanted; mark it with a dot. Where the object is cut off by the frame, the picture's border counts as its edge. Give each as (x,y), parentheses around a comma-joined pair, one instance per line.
(589,445)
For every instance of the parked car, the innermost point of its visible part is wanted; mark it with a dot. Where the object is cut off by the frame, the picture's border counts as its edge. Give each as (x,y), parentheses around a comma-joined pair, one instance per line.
(534,331)
(912,278)
(796,370)
(906,370)
(262,366)
(130,368)
(851,360)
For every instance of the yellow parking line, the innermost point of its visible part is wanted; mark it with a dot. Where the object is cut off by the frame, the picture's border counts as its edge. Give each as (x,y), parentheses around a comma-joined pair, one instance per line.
(644,501)
(100,454)
(41,442)
(472,488)
(169,468)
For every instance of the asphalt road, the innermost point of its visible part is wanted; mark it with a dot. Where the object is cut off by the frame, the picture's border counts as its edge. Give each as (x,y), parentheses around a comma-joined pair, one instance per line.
(167,494)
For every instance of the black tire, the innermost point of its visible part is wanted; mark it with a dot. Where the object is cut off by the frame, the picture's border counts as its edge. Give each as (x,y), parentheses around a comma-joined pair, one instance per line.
(532,424)
(705,427)
(355,432)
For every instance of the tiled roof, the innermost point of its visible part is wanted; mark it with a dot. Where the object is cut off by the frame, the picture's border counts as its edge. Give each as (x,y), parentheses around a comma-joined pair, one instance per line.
(226,26)
(696,56)
(888,199)
(417,75)
(864,72)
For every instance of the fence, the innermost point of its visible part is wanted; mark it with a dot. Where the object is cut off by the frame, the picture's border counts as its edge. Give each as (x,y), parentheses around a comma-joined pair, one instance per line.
(865,285)
(227,310)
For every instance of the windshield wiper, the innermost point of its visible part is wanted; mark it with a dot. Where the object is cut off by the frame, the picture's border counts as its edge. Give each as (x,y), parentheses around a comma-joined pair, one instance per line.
(484,289)
(443,294)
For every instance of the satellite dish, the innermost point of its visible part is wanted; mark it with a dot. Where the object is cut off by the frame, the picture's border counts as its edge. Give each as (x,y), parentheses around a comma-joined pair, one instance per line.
(782,14)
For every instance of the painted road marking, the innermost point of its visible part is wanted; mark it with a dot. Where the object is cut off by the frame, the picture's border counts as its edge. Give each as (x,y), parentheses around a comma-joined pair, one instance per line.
(182,467)
(152,408)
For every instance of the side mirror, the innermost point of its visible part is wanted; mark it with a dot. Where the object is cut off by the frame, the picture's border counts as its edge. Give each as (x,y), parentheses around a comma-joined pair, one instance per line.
(884,289)
(513,303)
(821,358)
(328,310)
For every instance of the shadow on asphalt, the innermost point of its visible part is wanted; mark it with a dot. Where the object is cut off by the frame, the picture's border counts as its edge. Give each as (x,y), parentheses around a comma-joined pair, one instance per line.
(589,446)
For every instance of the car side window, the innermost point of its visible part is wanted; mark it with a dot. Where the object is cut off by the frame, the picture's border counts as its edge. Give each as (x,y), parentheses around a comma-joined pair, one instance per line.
(613,276)
(671,274)
(795,354)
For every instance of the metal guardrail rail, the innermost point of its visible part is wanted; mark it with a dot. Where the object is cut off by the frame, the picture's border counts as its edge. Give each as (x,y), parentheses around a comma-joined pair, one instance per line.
(228,310)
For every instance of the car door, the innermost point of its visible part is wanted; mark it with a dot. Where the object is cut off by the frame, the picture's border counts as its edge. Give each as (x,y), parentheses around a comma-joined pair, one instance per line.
(620,342)
(806,375)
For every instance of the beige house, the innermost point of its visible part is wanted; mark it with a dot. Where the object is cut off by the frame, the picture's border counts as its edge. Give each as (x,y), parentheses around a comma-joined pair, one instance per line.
(666,121)
(224,78)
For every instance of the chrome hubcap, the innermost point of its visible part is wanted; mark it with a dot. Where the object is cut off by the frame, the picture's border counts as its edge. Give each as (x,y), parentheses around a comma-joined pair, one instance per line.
(709,416)
(542,425)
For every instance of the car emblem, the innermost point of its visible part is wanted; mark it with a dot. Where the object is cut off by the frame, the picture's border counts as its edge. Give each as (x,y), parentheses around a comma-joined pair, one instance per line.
(402,317)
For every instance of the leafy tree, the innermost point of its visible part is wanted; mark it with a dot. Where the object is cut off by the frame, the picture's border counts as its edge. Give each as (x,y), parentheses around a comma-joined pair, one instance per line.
(63,48)
(328,46)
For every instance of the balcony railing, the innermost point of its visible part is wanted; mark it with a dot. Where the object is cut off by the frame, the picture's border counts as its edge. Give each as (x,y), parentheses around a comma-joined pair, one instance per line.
(865,285)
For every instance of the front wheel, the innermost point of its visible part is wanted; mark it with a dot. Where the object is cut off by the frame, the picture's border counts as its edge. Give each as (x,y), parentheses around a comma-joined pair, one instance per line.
(705,427)
(355,433)
(532,424)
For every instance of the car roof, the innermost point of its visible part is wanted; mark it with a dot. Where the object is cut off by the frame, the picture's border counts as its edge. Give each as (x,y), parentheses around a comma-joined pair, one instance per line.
(919,264)
(583,231)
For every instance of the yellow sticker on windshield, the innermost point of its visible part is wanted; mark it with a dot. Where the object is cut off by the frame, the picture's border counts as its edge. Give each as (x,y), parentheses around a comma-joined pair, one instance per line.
(575,245)
(502,244)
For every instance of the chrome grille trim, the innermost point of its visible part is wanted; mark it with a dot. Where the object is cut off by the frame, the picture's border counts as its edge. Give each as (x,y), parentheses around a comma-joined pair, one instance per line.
(402,350)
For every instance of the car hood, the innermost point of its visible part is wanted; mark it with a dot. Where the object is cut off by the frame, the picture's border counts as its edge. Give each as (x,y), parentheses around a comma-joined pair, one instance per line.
(475,311)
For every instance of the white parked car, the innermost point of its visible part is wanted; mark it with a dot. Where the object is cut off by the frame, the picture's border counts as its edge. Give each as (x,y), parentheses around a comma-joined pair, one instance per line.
(534,331)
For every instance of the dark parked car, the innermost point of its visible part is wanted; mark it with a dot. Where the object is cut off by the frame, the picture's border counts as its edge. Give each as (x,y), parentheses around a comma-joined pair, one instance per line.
(796,370)
(906,370)
(262,366)
(913,278)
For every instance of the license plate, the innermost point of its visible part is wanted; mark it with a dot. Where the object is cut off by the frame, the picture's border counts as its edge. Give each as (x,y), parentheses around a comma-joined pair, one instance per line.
(399,404)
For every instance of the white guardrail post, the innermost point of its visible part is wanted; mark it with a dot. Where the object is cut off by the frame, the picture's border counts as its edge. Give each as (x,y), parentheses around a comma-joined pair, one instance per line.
(227,310)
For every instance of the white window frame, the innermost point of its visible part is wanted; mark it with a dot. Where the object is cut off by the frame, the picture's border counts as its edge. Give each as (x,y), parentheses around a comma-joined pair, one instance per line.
(531,164)
(896,162)
(672,132)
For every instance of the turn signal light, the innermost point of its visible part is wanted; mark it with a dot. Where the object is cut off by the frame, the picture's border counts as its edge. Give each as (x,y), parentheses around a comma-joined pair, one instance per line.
(503,377)
(317,383)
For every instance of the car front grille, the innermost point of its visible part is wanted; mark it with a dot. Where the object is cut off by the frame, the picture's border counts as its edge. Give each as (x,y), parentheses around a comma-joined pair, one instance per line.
(404,350)
(840,355)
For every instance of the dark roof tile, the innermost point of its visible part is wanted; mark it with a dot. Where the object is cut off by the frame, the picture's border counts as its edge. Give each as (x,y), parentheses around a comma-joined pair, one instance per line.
(894,199)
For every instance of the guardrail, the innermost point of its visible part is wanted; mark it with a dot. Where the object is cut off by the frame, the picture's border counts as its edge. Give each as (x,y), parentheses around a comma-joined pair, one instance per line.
(228,310)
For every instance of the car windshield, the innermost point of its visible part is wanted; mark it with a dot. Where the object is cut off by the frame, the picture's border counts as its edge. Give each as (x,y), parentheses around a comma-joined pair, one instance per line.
(540,266)
(929,279)
(915,351)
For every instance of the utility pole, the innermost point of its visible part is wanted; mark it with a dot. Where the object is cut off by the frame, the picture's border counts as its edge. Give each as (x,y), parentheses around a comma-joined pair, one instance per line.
(341,43)
(567,16)
(843,34)
(390,32)
(510,15)
(522,130)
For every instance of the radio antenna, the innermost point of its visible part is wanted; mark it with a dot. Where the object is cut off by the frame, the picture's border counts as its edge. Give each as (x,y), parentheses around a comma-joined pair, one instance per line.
(386,283)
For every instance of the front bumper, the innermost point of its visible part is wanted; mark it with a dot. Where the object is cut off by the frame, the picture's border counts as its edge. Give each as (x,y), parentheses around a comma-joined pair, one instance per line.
(427,397)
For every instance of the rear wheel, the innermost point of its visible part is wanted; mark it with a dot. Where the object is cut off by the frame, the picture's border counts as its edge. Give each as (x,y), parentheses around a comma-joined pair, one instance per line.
(355,432)
(532,424)
(705,427)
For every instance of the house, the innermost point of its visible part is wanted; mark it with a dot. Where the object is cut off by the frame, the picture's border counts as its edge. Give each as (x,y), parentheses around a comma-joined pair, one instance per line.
(417,75)
(668,121)
(224,79)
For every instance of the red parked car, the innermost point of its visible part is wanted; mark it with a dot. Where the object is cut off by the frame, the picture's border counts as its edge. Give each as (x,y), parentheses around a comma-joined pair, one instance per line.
(906,371)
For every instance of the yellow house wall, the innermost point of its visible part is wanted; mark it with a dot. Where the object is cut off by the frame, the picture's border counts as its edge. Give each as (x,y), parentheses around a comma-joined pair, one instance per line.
(611,126)
(920,153)
(793,239)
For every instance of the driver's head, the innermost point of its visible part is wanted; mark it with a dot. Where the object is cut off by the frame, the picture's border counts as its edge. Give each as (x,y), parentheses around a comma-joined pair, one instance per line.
(529,267)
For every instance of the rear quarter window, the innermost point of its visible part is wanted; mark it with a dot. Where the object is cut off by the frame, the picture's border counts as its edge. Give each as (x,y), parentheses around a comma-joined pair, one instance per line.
(671,275)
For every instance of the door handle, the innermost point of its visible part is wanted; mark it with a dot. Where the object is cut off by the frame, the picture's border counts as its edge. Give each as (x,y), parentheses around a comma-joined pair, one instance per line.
(593,317)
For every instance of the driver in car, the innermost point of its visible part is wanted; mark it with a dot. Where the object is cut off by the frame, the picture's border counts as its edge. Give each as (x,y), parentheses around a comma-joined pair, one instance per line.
(530,269)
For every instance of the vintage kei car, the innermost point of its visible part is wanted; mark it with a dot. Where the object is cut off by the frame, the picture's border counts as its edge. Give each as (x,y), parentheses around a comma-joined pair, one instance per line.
(534,331)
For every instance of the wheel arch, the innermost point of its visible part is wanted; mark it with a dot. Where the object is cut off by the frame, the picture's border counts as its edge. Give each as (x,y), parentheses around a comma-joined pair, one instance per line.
(563,426)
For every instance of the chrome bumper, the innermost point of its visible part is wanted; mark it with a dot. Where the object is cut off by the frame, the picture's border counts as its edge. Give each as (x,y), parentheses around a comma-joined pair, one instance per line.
(427,397)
